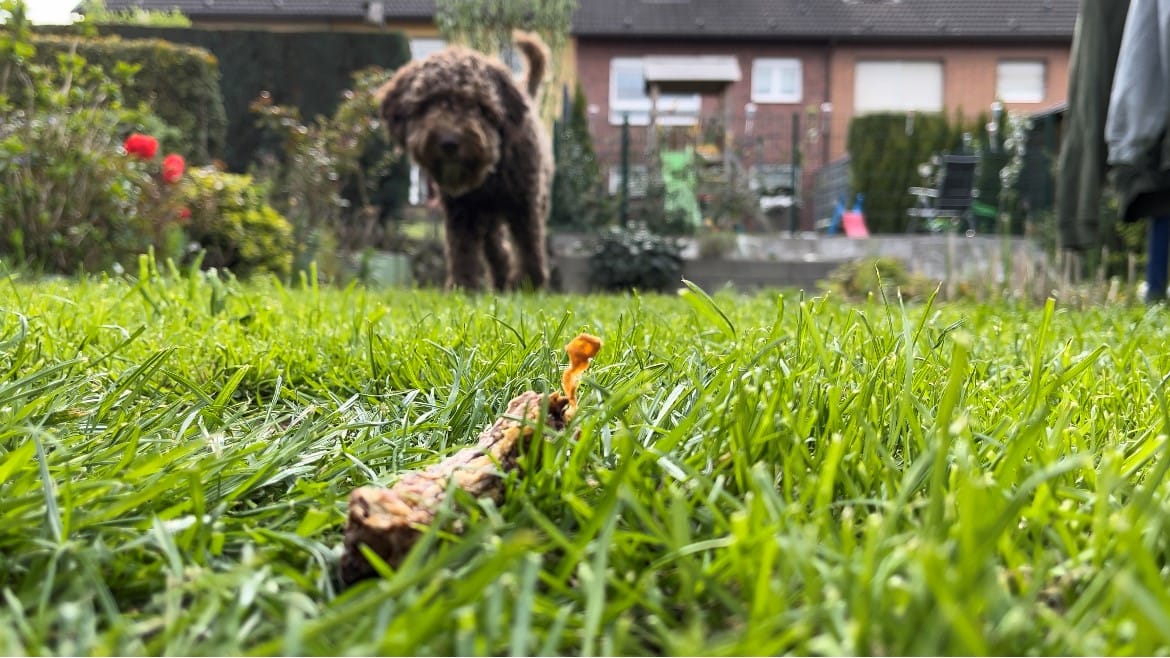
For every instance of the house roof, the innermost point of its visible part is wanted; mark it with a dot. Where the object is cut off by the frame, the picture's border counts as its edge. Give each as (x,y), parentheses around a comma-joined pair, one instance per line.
(759,19)
(269,9)
(840,19)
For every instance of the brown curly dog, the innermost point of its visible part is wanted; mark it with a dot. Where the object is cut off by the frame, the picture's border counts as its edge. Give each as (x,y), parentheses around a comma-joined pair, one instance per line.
(472,128)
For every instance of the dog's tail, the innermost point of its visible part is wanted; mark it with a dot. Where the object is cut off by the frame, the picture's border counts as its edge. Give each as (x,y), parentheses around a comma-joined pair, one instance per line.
(538,60)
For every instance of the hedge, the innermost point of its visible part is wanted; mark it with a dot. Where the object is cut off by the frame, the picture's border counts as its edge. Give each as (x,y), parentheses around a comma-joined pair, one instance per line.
(180,83)
(308,70)
(885,151)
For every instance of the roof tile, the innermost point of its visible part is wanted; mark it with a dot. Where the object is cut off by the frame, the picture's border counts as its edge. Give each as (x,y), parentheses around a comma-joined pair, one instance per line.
(760,19)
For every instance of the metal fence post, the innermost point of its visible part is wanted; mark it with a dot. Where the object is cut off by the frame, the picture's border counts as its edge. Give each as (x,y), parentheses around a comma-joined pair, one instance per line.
(625,170)
(792,219)
(558,146)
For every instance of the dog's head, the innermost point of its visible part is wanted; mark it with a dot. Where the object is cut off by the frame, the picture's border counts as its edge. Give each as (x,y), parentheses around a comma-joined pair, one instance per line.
(451,112)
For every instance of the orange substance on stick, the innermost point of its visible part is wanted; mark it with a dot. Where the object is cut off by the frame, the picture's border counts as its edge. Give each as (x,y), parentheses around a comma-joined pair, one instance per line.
(580,350)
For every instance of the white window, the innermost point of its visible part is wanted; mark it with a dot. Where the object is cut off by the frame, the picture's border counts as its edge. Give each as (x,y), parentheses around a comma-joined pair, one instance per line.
(421,47)
(776,81)
(512,57)
(898,86)
(627,97)
(417,194)
(1021,81)
(639,179)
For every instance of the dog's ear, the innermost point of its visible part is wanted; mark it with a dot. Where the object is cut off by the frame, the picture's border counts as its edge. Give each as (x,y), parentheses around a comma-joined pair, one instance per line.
(513,102)
(396,104)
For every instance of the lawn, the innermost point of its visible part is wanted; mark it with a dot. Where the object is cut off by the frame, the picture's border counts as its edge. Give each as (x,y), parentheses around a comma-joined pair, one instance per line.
(752,475)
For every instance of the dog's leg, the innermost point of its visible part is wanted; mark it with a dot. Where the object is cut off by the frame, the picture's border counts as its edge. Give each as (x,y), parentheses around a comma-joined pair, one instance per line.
(528,233)
(465,240)
(499,257)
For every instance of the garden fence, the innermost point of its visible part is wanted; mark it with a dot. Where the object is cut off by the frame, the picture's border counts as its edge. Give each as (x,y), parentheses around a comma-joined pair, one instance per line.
(803,154)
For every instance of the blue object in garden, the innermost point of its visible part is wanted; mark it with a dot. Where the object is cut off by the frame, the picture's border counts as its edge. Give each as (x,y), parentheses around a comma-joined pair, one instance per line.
(1158,256)
(835,221)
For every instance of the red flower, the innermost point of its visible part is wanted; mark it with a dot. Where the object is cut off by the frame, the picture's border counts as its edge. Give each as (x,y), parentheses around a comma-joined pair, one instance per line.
(172,168)
(184,213)
(143,146)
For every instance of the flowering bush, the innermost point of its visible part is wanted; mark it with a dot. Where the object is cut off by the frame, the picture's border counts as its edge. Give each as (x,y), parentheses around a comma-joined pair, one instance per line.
(165,202)
(141,146)
(172,168)
(74,195)
(70,199)
(231,226)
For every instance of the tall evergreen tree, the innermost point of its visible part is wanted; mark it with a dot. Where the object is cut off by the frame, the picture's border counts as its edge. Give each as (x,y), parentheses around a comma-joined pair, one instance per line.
(577,196)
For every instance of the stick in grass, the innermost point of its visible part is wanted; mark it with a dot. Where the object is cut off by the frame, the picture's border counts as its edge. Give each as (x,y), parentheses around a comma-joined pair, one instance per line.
(390,521)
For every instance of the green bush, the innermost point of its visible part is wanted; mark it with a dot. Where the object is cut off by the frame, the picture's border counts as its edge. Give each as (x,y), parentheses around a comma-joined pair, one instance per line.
(885,151)
(234,227)
(95,11)
(306,70)
(715,243)
(578,200)
(70,198)
(635,259)
(880,275)
(329,174)
(428,263)
(179,83)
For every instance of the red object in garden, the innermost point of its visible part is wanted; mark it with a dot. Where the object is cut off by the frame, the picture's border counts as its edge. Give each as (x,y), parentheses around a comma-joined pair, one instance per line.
(184,213)
(854,223)
(172,168)
(142,146)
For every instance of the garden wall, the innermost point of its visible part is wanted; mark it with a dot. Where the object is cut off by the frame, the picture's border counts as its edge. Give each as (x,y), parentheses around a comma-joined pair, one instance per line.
(804,260)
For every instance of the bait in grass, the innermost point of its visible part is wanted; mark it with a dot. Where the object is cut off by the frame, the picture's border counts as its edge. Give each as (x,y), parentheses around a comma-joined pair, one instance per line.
(390,521)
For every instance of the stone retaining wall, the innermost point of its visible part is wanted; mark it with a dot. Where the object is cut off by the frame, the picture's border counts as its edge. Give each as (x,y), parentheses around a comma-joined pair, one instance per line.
(803,260)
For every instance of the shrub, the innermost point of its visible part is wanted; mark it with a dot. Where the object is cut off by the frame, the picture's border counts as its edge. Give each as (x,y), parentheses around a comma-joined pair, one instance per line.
(95,11)
(305,70)
(713,243)
(862,277)
(70,198)
(327,174)
(233,225)
(428,263)
(635,259)
(578,200)
(885,151)
(180,84)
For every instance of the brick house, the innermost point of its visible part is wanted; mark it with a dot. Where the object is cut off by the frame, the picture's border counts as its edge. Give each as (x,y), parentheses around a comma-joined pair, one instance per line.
(822,62)
(807,66)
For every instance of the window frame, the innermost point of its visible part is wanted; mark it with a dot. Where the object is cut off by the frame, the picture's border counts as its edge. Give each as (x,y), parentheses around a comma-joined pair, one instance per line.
(936,64)
(421,47)
(1040,94)
(775,67)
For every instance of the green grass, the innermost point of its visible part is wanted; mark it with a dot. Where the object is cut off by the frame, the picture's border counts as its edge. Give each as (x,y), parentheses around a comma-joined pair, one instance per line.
(753,475)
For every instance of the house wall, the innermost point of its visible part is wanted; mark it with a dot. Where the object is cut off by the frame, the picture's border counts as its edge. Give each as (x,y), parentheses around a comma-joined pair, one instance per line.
(593,67)
(969,76)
